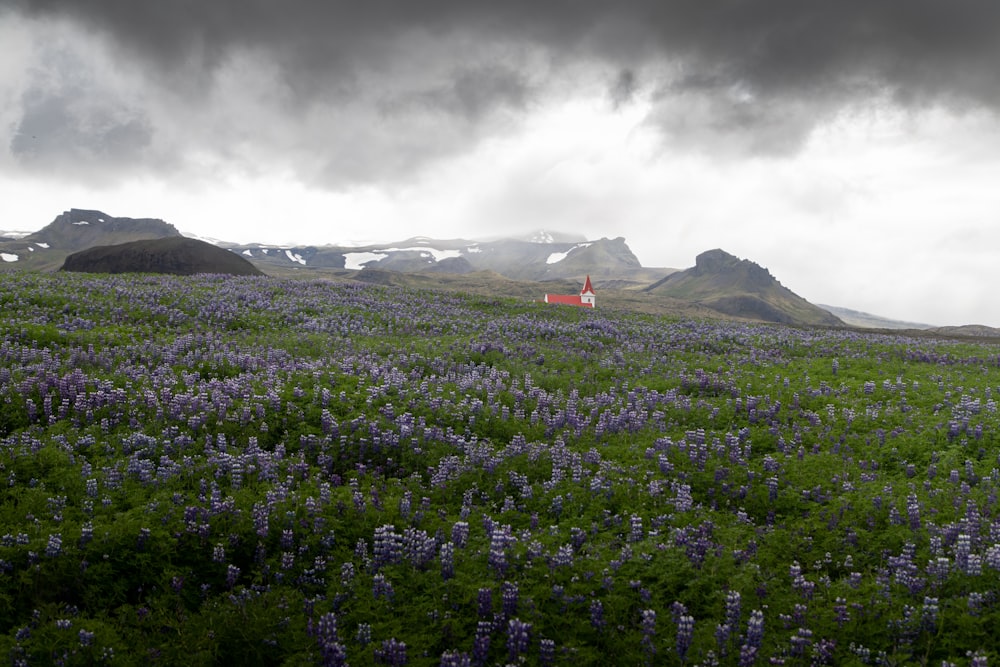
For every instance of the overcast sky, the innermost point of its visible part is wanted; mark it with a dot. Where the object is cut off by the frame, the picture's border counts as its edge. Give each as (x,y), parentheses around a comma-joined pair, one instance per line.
(852,147)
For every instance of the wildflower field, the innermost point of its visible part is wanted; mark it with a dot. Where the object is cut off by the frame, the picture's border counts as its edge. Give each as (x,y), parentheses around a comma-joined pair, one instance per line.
(217,470)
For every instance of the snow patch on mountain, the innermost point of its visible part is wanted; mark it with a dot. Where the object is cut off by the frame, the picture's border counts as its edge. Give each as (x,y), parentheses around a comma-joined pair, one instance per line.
(557,257)
(9,257)
(295,257)
(355,261)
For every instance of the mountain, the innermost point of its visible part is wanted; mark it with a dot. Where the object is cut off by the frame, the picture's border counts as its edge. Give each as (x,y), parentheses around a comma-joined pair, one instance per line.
(540,260)
(856,318)
(175,255)
(77,229)
(740,288)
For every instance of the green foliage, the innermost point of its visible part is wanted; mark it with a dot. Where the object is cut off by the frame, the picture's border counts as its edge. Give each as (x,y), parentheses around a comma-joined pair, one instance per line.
(196,470)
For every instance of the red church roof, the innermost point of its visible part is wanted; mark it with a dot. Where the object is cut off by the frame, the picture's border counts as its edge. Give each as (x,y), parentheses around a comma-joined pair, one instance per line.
(585,298)
(567,299)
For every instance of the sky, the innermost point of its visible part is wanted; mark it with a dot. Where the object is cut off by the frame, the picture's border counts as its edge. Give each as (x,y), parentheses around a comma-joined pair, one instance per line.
(851,147)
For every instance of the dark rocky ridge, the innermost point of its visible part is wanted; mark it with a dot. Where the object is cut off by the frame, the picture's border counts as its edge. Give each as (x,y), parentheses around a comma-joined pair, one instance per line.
(77,229)
(740,288)
(176,255)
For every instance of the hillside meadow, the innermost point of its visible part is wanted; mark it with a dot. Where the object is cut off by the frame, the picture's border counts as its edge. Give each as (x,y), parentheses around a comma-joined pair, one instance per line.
(214,470)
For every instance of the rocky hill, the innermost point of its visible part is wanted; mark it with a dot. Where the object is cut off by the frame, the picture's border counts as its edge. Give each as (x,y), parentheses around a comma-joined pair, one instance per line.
(73,230)
(175,255)
(77,229)
(740,288)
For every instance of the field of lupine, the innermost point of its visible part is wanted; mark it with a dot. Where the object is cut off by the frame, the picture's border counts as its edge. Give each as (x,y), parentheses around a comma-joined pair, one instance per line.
(215,470)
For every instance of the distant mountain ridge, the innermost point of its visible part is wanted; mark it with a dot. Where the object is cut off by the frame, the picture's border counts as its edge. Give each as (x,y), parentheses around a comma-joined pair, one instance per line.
(547,259)
(718,283)
(856,318)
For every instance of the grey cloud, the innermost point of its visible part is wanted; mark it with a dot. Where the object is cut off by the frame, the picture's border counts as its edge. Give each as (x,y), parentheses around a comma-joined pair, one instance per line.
(55,127)
(759,74)
(624,88)
(470,93)
(67,117)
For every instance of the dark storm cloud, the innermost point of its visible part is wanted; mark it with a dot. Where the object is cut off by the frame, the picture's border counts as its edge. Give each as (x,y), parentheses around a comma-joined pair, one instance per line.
(470,93)
(763,71)
(918,46)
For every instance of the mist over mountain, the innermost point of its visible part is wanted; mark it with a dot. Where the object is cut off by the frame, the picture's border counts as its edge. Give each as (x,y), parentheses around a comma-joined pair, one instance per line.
(543,260)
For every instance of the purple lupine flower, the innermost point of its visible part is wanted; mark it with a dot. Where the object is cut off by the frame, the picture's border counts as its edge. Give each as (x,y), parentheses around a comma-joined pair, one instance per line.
(755,629)
(977,659)
(346,573)
(913,511)
(648,628)
(54,546)
(481,644)
(685,633)
(800,641)
(382,587)
(563,556)
(733,609)
(232,574)
(929,614)
(460,533)
(455,659)
(392,652)
(418,547)
(485,598)
(546,652)
(748,655)
(387,546)
(518,636)
(330,648)
(597,615)
(723,635)
(635,529)
(500,539)
(447,555)
(509,597)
